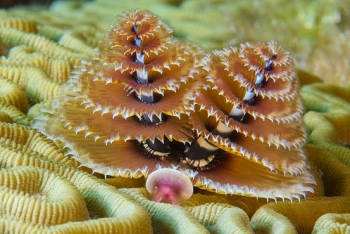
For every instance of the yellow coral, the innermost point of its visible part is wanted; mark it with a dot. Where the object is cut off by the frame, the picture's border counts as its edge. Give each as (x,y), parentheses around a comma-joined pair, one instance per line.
(22,146)
(117,214)
(327,120)
(222,218)
(12,37)
(15,114)
(332,223)
(55,199)
(19,24)
(57,69)
(12,93)
(296,218)
(5,117)
(35,82)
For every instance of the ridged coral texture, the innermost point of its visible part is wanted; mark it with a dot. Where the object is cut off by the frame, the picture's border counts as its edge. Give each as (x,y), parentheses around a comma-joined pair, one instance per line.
(230,120)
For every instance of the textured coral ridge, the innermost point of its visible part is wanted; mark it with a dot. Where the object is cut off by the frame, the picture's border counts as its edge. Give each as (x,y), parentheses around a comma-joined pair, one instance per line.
(42,191)
(118,113)
(250,112)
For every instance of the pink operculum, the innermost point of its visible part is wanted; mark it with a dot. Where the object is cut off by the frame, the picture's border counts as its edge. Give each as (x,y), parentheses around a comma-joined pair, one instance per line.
(168,193)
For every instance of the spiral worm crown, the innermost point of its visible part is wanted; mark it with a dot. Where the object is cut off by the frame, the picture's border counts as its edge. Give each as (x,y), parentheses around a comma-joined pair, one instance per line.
(247,118)
(119,113)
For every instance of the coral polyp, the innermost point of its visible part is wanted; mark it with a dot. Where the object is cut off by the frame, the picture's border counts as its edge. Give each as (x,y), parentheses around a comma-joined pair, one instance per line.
(118,113)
